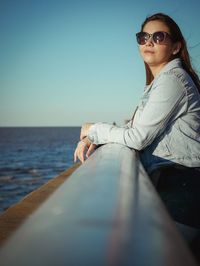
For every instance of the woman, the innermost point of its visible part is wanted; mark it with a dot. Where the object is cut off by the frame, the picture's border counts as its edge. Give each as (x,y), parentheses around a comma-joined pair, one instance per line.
(166,125)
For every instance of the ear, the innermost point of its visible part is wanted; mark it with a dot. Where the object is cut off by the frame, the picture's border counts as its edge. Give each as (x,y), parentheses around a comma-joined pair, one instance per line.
(176,48)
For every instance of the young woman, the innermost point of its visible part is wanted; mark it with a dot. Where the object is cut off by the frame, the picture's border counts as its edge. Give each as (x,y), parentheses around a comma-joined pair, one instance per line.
(165,128)
(166,125)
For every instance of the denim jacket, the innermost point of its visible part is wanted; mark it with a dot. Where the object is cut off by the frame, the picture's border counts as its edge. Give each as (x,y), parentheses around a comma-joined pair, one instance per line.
(166,126)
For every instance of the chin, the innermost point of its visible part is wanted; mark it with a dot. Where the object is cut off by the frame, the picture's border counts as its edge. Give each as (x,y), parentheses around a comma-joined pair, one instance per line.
(148,58)
(149,62)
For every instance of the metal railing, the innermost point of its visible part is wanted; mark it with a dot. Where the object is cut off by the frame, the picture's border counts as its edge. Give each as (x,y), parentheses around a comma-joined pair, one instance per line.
(106,213)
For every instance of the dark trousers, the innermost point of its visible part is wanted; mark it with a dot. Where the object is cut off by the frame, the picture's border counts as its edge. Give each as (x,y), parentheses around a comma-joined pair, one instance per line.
(179,189)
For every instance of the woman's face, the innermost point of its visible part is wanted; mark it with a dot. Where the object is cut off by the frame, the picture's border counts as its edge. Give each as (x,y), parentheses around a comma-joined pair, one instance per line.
(157,55)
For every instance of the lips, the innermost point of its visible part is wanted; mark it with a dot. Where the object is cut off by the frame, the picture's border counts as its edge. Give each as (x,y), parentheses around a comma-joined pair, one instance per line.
(148,52)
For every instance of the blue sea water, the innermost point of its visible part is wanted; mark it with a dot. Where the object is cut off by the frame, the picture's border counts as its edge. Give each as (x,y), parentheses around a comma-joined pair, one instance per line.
(31,156)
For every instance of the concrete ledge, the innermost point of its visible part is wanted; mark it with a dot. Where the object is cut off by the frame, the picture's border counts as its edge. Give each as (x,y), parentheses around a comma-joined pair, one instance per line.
(106,213)
(15,215)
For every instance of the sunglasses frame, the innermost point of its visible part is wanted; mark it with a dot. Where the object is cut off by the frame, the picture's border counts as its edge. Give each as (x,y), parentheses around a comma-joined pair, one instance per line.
(152,36)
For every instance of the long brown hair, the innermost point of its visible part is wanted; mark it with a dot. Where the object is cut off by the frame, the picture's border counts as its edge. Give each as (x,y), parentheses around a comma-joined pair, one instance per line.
(176,36)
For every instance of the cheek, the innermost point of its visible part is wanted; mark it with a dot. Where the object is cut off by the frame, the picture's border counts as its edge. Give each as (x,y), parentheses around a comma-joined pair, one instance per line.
(141,49)
(165,51)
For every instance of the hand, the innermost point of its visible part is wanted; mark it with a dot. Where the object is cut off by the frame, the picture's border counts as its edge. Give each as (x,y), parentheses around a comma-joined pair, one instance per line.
(84,148)
(84,130)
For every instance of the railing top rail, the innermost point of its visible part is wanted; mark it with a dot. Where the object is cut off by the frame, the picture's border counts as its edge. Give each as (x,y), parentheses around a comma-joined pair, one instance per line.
(106,213)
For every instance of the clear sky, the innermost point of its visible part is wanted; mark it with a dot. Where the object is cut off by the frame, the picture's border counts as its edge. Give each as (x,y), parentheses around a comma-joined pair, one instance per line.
(63,63)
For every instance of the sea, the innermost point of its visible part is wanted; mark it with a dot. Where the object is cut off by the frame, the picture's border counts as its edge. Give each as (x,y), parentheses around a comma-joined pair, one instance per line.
(30,157)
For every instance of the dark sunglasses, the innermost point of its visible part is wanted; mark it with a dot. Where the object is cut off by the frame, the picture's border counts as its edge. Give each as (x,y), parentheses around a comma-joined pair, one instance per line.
(158,37)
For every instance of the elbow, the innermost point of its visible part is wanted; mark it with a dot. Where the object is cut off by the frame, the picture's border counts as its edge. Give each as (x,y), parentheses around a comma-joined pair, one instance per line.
(136,142)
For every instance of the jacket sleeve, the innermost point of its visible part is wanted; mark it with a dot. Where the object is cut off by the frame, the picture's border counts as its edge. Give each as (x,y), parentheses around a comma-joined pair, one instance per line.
(166,103)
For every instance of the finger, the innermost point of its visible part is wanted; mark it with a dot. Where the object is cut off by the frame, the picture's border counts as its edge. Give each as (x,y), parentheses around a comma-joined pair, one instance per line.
(77,153)
(81,156)
(90,150)
(75,156)
(83,153)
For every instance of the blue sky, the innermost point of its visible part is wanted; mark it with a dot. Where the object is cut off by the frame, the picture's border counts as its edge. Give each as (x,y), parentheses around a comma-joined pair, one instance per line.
(63,63)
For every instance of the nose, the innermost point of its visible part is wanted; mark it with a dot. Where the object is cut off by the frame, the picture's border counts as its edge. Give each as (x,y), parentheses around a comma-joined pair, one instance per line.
(149,41)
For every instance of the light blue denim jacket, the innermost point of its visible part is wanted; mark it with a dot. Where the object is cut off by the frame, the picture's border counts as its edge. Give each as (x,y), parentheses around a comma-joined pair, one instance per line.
(166,126)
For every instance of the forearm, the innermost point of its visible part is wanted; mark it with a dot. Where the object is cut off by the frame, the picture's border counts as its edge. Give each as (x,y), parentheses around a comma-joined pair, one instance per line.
(102,133)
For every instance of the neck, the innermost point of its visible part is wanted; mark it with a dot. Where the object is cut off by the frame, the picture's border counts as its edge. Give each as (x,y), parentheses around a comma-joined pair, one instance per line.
(155,69)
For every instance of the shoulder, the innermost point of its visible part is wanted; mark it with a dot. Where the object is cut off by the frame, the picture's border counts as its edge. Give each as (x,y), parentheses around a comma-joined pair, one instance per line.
(170,83)
(174,72)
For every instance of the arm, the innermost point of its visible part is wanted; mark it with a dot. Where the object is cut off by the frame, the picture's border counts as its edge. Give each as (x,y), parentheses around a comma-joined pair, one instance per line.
(165,104)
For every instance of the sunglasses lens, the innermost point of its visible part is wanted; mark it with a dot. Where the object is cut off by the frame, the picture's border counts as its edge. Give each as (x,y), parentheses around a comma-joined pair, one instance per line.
(142,37)
(158,37)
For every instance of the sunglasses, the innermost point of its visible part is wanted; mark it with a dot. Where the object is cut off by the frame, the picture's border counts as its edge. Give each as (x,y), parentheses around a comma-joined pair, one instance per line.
(158,37)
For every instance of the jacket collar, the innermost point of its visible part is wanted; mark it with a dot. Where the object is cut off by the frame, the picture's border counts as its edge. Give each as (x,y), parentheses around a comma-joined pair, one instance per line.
(169,66)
